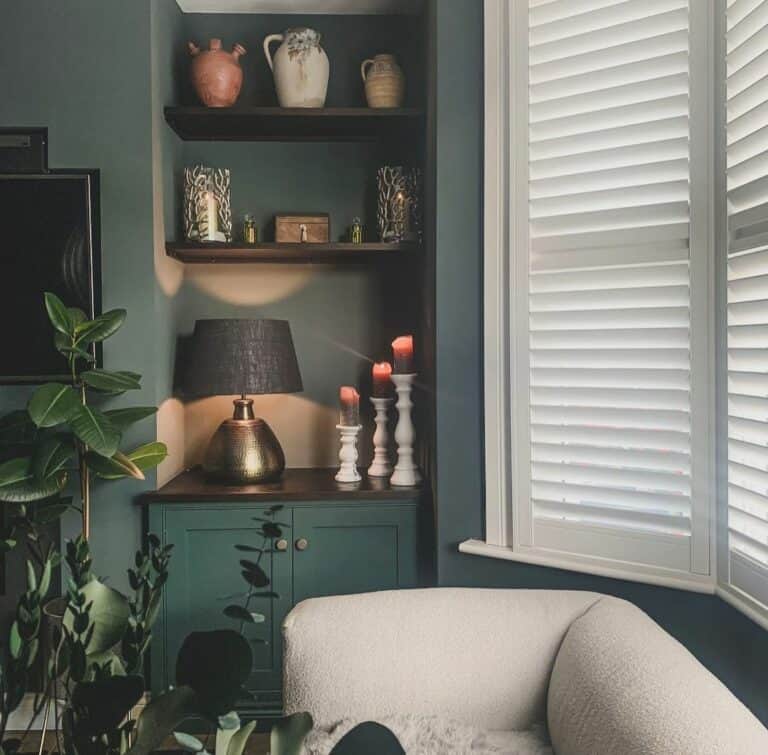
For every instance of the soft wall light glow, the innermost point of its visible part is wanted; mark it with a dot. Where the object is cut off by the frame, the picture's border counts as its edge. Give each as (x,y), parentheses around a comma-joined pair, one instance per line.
(239,285)
(170,430)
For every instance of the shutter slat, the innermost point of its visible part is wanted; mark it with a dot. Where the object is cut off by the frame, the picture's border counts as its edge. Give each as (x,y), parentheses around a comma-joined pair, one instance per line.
(611,76)
(749,431)
(613,358)
(616,319)
(563,301)
(741,29)
(610,398)
(615,516)
(613,37)
(614,117)
(597,60)
(606,378)
(640,419)
(643,501)
(614,178)
(637,338)
(629,156)
(660,461)
(650,132)
(623,438)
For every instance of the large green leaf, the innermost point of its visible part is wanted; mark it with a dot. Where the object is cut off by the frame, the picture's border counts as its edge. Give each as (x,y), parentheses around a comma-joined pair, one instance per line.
(113,468)
(53,403)
(101,327)
(368,736)
(124,418)
(149,455)
(109,614)
(287,736)
(58,314)
(14,471)
(240,739)
(161,716)
(95,430)
(111,382)
(101,705)
(77,315)
(17,428)
(17,484)
(187,742)
(50,457)
(215,664)
(32,490)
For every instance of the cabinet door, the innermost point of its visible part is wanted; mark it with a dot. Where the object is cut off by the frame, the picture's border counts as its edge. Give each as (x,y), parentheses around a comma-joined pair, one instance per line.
(351,549)
(205,569)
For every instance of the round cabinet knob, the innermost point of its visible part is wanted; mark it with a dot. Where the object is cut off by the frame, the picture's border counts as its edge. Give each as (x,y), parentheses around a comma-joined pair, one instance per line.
(281,545)
(302,544)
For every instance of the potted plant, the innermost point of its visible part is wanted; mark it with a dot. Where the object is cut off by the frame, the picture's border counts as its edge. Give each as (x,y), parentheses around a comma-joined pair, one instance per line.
(64,438)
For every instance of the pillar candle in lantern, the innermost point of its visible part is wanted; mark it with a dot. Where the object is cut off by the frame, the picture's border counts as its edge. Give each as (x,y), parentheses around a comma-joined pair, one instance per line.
(349,400)
(402,348)
(382,383)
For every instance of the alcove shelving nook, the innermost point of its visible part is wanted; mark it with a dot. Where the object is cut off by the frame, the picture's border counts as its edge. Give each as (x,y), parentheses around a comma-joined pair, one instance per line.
(345,303)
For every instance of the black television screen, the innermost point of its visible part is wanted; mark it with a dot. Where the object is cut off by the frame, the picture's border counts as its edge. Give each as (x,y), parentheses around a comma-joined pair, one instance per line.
(50,242)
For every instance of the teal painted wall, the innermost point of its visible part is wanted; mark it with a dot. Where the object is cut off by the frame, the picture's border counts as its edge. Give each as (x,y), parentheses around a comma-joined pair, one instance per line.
(729,644)
(82,68)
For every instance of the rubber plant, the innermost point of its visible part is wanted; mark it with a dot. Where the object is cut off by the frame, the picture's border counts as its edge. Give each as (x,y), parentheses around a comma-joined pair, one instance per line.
(65,437)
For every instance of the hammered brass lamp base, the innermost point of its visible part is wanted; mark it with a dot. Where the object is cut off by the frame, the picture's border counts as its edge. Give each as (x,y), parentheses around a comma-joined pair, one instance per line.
(244,449)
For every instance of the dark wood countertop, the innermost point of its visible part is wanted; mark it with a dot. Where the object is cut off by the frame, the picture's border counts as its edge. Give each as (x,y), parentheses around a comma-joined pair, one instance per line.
(295,485)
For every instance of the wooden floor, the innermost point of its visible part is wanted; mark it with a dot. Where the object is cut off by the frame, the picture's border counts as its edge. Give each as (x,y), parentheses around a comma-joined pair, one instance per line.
(258,744)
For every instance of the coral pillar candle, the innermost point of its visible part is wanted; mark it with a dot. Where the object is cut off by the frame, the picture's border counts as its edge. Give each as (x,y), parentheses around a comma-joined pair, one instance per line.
(382,382)
(349,399)
(402,348)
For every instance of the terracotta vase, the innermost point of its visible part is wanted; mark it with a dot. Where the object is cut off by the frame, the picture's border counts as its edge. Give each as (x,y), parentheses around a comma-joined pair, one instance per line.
(384,82)
(300,67)
(216,74)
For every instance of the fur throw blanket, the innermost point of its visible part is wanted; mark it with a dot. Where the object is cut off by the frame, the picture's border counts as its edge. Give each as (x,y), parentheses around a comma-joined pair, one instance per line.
(430,735)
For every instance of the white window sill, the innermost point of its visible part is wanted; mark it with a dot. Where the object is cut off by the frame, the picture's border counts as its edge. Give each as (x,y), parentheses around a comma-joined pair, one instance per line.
(556,560)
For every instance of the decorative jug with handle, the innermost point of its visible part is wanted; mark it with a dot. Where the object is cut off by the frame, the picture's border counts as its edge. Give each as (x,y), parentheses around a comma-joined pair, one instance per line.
(384,81)
(216,74)
(300,68)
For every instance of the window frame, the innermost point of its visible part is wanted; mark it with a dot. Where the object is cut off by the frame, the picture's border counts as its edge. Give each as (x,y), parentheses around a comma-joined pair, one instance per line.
(505,224)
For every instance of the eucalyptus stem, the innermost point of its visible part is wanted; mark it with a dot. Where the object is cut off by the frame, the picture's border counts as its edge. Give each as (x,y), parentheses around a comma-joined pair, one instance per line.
(249,596)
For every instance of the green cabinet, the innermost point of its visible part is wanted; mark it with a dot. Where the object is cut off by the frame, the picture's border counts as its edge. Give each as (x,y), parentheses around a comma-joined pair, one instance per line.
(338,541)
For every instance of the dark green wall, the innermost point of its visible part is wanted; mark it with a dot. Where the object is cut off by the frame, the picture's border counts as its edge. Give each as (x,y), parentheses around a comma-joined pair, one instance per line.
(82,68)
(729,644)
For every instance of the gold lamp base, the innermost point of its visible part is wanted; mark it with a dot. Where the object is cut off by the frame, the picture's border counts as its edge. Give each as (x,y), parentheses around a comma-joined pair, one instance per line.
(244,449)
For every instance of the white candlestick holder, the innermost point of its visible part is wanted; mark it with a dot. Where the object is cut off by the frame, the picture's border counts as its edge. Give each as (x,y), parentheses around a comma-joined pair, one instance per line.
(406,472)
(348,453)
(381,466)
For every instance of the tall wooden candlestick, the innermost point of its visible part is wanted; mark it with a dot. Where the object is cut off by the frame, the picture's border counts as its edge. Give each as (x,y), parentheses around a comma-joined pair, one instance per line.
(348,454)
(406,472)
(381,466)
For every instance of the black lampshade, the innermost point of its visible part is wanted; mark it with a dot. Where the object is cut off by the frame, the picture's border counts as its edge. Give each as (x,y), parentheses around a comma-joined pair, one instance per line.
(229,357)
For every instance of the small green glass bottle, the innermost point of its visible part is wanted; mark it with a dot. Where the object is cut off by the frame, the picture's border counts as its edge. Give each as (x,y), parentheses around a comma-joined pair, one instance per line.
(356,231)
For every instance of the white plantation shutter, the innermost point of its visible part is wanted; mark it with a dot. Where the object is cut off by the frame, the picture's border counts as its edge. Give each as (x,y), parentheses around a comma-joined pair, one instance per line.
(608,465)
(747,299)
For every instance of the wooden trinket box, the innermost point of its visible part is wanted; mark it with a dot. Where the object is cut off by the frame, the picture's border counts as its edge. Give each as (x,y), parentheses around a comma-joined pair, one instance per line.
(297,229)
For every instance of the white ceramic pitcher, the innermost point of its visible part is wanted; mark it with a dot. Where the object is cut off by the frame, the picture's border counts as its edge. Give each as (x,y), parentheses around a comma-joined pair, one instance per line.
(300,68)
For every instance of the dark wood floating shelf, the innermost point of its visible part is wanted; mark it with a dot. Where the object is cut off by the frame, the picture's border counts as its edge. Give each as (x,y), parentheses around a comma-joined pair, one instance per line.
(333,124)
(341,252)
(295,485)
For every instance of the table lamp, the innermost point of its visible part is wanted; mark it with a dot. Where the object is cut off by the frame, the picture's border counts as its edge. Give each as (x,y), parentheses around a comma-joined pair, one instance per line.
(241,357)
